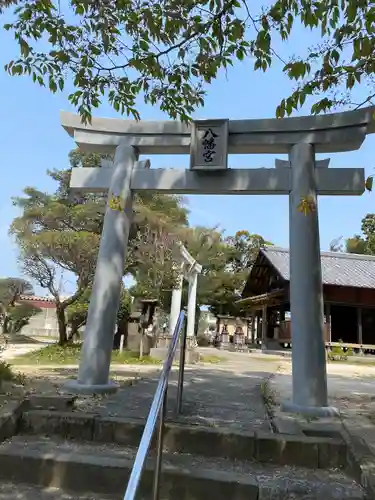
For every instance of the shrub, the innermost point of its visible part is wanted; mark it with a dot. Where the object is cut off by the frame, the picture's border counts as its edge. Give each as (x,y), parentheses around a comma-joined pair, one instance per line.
(203,340)
(6,373)
(338,353)
(20,378)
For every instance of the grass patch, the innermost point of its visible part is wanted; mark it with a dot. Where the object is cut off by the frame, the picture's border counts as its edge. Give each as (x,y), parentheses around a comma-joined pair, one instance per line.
(70,355)
(307,418)
(6,372)
(129,358)
(8,375)
(213,360)
(352,361)
(268,395)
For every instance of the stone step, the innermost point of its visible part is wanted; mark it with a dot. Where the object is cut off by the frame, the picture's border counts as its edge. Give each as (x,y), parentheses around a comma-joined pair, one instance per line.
(104,469)
(18,491)
(301,451)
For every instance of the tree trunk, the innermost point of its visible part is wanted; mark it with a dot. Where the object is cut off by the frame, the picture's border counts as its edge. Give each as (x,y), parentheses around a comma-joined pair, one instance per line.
(17,327)
(60,313)
(74,331)
(141,344)
(61,321)
(6,325)
(122,329)
(197,318)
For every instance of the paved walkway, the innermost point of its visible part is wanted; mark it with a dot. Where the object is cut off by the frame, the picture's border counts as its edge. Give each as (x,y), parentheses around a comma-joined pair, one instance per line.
(350,387)
(22,345)
(228,394)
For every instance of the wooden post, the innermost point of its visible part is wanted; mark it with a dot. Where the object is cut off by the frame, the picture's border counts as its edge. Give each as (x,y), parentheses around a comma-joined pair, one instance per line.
(259,327)
(281,321)
(264,327)
(122,339)
(359,325)
(282,312)
(253,316)
(328,321)
(141,343)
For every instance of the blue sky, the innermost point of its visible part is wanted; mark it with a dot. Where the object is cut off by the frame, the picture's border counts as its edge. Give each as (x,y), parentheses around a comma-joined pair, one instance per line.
(32,140)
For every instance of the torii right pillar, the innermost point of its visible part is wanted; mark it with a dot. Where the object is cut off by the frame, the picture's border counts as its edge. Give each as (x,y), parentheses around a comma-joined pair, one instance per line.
(306,290)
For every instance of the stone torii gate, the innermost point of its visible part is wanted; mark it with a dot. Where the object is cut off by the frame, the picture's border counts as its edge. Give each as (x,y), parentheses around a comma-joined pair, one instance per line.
(209,143)
(189,270)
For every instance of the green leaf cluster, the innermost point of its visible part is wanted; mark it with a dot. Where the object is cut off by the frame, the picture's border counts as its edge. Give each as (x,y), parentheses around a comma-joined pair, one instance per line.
(59,232)
(164,52)
(77,311)
(14,312)
(226,265)
(343,60)
(167,52)
(360,243)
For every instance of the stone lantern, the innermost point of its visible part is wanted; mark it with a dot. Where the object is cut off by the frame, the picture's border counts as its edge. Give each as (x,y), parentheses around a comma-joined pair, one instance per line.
(141,319)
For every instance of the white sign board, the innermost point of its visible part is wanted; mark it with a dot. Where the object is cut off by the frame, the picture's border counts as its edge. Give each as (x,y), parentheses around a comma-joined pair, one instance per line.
(209,145)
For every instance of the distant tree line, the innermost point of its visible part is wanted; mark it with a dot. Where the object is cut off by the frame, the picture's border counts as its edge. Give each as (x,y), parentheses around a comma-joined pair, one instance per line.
(363,243)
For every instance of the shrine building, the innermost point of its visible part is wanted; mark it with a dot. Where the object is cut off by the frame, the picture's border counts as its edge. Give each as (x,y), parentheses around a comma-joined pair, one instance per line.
(348,291)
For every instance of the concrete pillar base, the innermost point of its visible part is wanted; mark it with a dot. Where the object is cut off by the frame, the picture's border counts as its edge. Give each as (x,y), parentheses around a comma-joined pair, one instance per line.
(75,387)
(162,341)
(191,356)
(312,411)
(224,346)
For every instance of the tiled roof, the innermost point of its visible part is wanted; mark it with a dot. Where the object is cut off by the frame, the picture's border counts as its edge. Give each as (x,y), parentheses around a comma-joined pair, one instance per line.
(42,299)
(37,298)
(342,269)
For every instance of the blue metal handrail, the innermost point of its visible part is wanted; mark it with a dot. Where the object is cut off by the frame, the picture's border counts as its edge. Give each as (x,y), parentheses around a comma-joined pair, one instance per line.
(157,411)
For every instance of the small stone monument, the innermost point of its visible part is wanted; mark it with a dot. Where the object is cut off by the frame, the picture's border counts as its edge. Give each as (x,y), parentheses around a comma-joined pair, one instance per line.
(224,340)
(239,336)
(141,318)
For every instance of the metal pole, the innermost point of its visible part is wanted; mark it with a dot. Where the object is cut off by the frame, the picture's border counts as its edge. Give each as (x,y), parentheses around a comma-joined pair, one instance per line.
(159,449)
(181,370)
(153,416)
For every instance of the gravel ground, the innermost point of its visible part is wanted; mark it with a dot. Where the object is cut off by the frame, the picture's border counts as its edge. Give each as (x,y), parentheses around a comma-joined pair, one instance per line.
(349,387)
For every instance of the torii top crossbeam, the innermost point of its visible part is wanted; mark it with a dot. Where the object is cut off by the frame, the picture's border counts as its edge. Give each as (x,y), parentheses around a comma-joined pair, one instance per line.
(329,133)
(193,265)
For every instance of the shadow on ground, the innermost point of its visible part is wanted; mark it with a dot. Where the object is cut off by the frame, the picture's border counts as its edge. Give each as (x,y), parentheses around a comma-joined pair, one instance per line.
(9,491)
(18,339)
(344,392)
(210,397)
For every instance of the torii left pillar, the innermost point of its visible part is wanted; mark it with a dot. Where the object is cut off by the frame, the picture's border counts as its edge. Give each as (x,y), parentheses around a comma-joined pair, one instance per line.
(93,374)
